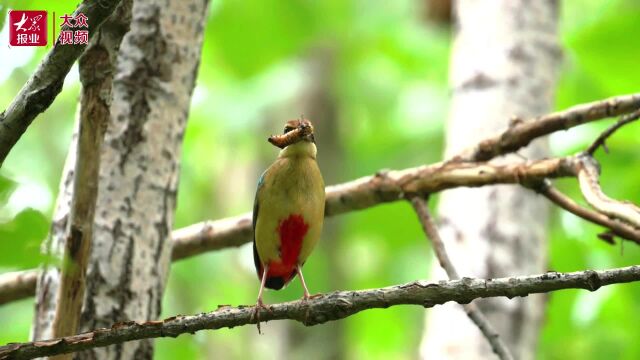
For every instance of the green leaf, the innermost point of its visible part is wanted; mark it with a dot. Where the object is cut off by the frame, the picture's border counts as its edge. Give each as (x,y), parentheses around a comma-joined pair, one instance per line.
(6,188)
(20,240)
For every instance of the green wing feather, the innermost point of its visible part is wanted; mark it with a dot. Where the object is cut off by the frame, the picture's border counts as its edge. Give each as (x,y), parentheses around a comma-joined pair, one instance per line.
(256,208)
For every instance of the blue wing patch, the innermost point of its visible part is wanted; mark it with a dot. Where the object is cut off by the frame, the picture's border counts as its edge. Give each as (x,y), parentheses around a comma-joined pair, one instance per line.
(261,180)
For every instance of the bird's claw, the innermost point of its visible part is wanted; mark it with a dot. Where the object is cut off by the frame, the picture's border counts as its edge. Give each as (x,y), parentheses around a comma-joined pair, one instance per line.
(306,297)
(310,297)
(256,313)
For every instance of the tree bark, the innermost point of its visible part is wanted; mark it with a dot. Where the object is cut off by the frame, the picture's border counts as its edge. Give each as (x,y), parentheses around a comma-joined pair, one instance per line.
(156,71)
(503,65)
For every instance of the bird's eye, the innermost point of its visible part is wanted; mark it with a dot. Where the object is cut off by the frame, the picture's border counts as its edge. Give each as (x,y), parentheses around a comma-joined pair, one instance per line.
(287,129)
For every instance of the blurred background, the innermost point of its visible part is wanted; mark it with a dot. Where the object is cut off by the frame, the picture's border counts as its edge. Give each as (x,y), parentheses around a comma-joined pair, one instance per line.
(373,78)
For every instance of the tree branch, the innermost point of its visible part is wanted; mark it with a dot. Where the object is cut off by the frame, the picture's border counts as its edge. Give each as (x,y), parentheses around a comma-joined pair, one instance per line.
(588,177)
(618,228)
(211,235)
(431,230)
(387,186)
(520,133)
(472,311)
(17,285)
(329,307)
(600,141)
(368,191)
(46,82)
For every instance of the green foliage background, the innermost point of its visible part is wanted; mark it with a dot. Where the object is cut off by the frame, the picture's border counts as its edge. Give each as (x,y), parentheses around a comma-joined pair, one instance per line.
(389,81)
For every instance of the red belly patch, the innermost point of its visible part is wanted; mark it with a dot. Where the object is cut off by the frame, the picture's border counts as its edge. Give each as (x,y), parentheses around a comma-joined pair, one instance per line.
(292,231)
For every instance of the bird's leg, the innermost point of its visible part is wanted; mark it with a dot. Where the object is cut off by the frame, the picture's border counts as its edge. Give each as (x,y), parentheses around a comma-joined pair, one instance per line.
(262,282)
(259,303)
(306,295)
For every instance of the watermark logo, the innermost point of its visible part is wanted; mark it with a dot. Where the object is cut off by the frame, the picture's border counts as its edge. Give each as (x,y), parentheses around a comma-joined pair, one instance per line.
(75,30)
(27,28)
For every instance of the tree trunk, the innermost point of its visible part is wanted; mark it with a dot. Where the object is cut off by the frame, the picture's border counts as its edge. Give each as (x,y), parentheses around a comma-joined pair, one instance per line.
(109,40)
(130,256)
(503,65)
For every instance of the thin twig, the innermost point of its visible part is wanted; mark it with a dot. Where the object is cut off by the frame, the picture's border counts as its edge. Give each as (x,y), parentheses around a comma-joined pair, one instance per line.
(329,307)
(618,228)
(600,141)
(472,311)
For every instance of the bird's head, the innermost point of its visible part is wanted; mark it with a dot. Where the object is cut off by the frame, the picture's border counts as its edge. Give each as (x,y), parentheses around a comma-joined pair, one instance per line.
(304,126)
(297,138)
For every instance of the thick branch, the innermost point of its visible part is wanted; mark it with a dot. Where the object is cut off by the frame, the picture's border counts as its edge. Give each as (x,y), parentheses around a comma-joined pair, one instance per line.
(472,311)
(368,191)
(588,176)
(520,133)
(46,82)
(211,235)
(329,307)
(390,186)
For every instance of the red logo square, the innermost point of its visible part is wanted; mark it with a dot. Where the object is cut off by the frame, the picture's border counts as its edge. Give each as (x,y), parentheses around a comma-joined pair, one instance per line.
(27,28)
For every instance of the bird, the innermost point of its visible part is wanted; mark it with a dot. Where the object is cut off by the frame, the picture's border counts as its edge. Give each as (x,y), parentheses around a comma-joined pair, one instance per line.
(288,211)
